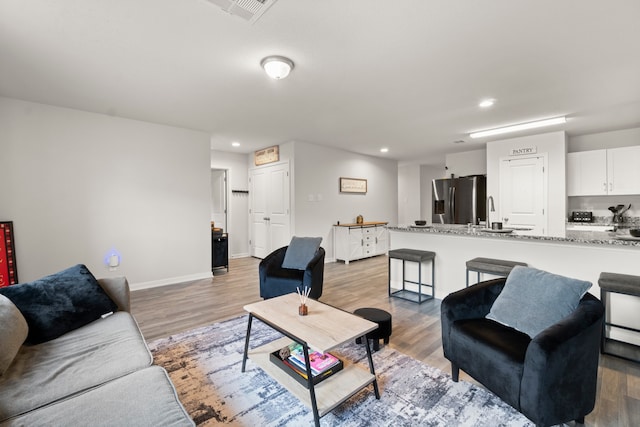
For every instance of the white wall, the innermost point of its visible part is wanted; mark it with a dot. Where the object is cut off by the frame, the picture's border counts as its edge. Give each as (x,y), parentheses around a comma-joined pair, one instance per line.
(238,204)
(410,194)
(597,141)
(78,185)
(316,199)
(466,163)
(555,145)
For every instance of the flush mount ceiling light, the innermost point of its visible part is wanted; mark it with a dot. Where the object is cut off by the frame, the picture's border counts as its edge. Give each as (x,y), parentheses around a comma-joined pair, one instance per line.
(384,150)
(277,67)
(518,127)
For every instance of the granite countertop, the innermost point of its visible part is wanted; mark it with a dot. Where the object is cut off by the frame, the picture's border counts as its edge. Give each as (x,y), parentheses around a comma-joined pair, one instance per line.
(621,237)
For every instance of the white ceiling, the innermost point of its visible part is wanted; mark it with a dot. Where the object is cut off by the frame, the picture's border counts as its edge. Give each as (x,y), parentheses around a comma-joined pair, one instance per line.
(403,74)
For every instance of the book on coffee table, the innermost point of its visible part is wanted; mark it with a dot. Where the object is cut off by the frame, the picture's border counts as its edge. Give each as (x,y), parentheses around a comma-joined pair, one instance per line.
(299,372)
(320,362)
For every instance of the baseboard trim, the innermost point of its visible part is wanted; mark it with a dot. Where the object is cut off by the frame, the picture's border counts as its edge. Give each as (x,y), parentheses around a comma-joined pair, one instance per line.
(170,281)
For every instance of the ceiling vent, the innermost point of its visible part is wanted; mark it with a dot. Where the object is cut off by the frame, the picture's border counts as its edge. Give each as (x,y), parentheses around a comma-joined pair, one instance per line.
(249,10)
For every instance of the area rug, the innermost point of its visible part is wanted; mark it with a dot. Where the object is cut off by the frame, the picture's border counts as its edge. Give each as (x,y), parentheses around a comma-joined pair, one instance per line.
(205,366)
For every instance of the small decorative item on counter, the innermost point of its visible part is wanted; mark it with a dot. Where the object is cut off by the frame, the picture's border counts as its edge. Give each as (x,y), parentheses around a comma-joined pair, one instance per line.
(359,219)
(303,310)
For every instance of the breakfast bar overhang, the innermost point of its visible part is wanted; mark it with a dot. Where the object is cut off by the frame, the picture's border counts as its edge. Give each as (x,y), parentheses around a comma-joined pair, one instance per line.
(581,255)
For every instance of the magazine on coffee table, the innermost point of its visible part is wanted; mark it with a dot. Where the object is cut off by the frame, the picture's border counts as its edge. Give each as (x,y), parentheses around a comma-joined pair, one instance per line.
(319,362)
(297,370)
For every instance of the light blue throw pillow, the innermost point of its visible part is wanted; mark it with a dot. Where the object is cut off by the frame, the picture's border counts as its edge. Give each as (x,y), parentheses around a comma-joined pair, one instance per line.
(532,300)
(300,251)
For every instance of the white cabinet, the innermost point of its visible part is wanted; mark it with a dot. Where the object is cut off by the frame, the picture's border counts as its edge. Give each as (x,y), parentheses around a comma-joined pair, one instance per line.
(357,241)
(604,172)
(587,173)
(623,170)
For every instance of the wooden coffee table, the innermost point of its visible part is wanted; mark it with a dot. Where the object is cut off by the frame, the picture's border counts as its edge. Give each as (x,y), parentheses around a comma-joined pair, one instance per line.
(323,329)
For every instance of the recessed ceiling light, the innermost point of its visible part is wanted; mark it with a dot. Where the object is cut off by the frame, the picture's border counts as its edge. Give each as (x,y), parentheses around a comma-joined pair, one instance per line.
(384,150)
(518,127)
(487,103)
(235,144)
(459,141)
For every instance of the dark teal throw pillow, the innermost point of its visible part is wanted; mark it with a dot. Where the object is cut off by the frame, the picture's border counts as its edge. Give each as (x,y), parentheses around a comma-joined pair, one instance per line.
(59,303)
(532,299)
(301,250)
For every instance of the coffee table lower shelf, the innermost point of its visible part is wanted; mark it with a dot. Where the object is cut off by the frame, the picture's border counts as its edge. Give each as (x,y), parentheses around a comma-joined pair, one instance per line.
(329,393)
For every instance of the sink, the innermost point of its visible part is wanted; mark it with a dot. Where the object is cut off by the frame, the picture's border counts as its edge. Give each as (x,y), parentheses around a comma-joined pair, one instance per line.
(590,228)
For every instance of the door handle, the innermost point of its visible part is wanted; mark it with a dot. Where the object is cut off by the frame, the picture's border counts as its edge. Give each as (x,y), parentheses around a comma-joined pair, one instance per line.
(266,218)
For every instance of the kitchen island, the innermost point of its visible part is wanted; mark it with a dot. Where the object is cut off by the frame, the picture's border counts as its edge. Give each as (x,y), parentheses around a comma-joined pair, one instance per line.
(580,254)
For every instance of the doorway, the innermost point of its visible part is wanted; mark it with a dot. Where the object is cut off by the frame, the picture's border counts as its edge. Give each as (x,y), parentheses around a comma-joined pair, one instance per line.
(219,198)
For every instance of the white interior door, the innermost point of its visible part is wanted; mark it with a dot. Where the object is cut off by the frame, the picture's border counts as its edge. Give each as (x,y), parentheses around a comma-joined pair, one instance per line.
(219,198)
(269,211)
(278,202)
(523,195)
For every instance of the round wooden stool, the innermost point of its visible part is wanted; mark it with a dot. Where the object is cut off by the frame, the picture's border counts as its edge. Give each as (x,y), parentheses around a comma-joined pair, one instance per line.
(383,319)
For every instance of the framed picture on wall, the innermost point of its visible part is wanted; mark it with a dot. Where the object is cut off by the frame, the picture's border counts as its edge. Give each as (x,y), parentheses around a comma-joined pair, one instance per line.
(267,155)
(353,185)
(8,270)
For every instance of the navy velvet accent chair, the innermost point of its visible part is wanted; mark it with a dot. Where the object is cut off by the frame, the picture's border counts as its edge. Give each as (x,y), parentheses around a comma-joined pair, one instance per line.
(550,378)
(276,280)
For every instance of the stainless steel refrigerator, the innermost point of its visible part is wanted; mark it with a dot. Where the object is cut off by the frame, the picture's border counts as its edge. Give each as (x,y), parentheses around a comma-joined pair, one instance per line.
(459,200)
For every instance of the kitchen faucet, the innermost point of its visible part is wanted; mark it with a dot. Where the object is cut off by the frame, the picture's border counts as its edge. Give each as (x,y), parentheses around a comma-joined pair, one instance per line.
(490,208)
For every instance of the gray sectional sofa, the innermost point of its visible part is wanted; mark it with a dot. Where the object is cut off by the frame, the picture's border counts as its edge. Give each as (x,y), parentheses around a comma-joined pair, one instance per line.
(99,374)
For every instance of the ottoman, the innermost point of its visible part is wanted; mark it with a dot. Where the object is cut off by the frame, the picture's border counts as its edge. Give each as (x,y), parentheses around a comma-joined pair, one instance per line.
(383,319)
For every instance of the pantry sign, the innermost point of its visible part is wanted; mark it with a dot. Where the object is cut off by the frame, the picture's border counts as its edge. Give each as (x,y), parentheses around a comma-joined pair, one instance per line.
(523,151)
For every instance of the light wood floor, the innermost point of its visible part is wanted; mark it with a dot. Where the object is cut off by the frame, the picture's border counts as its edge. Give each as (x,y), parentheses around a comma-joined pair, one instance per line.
(416,328)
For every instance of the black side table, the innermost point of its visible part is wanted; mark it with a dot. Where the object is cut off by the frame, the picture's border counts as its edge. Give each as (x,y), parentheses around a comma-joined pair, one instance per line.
(219,251)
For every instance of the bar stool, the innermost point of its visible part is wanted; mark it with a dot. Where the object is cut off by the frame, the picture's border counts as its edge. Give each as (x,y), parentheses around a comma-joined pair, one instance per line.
(418,256)
(620,284)
(497,267)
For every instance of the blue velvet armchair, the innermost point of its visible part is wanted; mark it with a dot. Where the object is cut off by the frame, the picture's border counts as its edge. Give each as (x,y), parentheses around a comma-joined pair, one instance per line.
(550,378)
(276,280)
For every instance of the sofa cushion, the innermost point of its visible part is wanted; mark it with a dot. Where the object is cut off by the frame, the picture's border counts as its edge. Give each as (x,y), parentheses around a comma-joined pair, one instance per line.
(13,332)
(532,300)
(59,303)
(143,398)
(300,252)
(84,358)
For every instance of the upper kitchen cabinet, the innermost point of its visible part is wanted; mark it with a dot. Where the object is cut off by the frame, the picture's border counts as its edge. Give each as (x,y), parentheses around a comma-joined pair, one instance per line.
(623,170)
(587,173)
(604,172)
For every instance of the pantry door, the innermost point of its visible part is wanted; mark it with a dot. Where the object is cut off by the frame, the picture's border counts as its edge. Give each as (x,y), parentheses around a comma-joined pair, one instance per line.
(523,194)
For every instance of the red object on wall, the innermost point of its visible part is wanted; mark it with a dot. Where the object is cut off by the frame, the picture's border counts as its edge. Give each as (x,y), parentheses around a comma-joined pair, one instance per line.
(8,270)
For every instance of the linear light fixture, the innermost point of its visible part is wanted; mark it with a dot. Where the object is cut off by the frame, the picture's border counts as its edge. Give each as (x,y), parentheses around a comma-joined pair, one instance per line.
(518,127)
